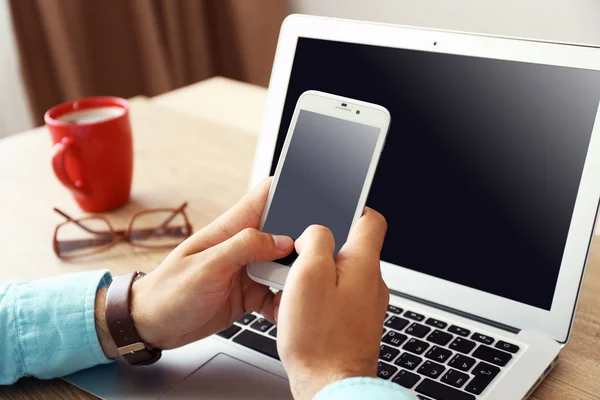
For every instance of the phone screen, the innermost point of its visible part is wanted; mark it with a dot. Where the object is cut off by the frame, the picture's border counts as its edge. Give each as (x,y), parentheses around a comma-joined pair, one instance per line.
(322,177)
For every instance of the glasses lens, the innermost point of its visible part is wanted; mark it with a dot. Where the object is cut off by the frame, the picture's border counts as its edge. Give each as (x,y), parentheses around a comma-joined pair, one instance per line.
(159,229)
(83,237)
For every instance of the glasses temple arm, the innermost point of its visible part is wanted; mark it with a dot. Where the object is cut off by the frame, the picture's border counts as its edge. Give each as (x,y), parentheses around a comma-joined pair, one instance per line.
(107,237)
(76,244)
(76,222)
(175,212)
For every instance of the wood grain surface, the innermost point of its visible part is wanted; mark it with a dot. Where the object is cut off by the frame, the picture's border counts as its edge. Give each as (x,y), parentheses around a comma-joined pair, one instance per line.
(180,157)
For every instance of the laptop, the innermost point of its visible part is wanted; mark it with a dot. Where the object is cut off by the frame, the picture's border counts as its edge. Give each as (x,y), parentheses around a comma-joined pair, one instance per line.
(490,183)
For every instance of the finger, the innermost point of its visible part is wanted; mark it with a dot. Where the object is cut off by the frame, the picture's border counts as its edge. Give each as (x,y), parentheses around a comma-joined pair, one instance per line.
(246,247)
(366,237)
(246,213)
(256,297)
(270,308)
(276,303)
(315,265)
(316,240)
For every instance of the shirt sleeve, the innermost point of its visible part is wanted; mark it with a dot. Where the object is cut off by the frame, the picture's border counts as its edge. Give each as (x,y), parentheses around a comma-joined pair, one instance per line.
(47,327)
(364,388)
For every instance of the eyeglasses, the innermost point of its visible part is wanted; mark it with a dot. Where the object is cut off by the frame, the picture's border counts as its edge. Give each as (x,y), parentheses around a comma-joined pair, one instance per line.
(158,228)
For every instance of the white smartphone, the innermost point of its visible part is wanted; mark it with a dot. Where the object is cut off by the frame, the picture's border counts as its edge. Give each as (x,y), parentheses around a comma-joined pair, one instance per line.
(324,173)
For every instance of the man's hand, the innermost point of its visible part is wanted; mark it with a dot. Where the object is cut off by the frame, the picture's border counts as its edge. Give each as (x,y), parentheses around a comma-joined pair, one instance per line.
(331,312)
(202,286)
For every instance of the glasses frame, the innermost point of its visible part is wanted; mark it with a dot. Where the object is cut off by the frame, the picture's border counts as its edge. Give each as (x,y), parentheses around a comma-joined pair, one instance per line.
(119,236)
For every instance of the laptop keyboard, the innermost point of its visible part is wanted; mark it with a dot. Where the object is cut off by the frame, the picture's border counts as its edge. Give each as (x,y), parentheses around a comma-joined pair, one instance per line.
(437,360)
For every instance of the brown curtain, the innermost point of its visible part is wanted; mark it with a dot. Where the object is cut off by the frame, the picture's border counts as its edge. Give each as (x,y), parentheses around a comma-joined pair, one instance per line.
(75,48)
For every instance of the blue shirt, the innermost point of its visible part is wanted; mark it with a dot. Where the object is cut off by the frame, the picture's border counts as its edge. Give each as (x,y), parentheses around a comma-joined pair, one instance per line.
(47,330)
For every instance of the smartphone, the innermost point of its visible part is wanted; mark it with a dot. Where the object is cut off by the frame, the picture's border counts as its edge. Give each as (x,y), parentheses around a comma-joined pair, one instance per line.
(323,175)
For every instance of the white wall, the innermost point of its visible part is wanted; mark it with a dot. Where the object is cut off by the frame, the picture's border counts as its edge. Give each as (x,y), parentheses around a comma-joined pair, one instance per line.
(15,115)
(575,21)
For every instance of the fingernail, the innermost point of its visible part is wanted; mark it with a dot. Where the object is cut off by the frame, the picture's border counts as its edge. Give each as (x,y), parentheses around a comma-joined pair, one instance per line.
(282,242)
(275,313)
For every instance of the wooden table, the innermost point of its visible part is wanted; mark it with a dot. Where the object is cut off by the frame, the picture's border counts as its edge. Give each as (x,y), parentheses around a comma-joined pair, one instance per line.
(182,155)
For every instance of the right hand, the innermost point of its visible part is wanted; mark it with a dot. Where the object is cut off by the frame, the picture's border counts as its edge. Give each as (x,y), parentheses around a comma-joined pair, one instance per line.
(331,313)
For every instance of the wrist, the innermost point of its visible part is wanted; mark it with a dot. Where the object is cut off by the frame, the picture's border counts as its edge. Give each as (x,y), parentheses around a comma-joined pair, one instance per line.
(106,341)
(142,315)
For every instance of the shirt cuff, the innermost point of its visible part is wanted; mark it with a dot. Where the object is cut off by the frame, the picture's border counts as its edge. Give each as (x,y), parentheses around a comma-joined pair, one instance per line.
(364,388)
(56,324)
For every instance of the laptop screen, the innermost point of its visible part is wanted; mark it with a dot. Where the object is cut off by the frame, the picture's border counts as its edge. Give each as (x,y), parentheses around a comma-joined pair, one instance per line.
(482,163)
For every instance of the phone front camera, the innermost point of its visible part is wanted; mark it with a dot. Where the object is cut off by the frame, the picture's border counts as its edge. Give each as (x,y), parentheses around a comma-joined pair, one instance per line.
(358,111)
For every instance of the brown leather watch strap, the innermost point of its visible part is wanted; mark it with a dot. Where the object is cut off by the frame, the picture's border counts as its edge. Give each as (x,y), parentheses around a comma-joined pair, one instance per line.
(121,326)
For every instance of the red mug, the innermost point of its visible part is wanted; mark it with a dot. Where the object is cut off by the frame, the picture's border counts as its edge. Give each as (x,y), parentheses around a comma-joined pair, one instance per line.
(93,150)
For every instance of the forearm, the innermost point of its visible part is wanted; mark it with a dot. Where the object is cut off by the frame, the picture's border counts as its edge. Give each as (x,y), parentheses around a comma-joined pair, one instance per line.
(49,326)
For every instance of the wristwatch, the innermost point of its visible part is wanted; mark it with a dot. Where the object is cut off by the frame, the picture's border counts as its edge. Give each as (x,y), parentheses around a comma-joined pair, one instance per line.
(120,323)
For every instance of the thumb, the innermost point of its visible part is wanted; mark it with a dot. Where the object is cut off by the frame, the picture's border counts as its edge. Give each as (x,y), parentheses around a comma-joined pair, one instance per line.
(248,246)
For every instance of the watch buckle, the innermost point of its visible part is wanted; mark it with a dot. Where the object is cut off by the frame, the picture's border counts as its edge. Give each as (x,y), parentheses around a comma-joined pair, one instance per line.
(131,348)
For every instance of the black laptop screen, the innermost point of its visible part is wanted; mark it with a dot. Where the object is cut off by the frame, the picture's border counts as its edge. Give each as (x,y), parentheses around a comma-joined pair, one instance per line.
(482,163)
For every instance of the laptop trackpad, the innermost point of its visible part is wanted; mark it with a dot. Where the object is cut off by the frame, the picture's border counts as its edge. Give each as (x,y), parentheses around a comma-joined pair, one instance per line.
(224,377)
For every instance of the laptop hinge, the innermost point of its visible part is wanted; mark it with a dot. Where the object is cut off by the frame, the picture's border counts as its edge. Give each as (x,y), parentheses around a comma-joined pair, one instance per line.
(458,312)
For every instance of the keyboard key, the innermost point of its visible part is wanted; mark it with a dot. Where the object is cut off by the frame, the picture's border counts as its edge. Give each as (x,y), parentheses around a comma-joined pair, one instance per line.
(436,322)
(438,354)
(394,309)
(480,337)
(394,338)
(439,337)
(229,332)
(477,385)
(384,331)
(387,353)
(439,391)
(414,315)
(485,369)
(416,346)
(262,325)
(455,378)
(273,332)
(462,345)
(408,361)
(494,356)
(431,369)
(385,371)
(484,374)
(422,397)
(511,348)
(461,362)
(246,319)
(257,342)
(406,379)
(396,323)
(418,330)
(387,315)
(458,330)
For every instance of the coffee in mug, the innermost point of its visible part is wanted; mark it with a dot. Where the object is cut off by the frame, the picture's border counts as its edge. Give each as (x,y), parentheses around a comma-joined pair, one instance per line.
(92,115)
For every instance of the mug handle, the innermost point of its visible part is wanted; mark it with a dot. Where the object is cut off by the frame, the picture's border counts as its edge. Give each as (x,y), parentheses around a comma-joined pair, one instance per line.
(59,152)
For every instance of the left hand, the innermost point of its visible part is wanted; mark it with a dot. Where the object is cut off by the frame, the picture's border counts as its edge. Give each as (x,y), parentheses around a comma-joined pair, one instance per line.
(202,287)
